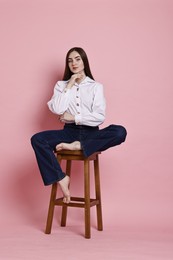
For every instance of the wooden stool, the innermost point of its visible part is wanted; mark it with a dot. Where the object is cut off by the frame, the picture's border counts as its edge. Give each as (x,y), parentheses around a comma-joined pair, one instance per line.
(81,202)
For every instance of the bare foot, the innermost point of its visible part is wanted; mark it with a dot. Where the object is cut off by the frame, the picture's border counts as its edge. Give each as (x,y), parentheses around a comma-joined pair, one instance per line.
(71,146)
(64,184)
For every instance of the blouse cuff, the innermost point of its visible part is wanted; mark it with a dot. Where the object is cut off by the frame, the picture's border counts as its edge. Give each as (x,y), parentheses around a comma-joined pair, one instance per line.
(78,119)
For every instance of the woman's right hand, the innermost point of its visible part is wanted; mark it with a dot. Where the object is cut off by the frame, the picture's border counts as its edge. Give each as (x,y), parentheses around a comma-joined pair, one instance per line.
(75,77)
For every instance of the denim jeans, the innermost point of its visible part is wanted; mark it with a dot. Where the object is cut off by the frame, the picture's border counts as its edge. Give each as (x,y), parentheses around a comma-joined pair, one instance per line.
(92,139)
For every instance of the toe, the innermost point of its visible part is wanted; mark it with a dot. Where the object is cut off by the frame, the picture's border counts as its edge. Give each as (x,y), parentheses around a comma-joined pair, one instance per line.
(68,199)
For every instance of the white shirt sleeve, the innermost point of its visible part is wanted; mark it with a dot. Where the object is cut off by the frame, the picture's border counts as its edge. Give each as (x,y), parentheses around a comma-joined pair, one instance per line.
(60,100)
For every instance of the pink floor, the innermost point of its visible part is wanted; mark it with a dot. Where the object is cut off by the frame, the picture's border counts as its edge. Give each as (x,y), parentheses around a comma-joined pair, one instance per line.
(23,241)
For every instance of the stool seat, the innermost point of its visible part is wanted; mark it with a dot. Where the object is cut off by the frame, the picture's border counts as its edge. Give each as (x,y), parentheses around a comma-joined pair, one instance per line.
(80,202)
(75,155)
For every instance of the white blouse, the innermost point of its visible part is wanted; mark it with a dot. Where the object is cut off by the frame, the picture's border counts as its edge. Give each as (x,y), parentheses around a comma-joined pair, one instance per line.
(85,101)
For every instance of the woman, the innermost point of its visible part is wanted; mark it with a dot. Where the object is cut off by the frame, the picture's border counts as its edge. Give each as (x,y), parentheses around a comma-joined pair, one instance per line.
(79,102)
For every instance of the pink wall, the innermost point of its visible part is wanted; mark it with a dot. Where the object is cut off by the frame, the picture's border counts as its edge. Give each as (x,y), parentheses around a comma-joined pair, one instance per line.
(129,44)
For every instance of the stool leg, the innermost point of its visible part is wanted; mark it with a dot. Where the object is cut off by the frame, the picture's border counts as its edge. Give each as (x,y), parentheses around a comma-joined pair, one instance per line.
(64,207)
(98,194)
(51,209)
(87,198)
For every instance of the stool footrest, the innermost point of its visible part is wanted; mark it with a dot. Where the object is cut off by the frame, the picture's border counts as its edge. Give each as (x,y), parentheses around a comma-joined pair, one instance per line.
(76,202)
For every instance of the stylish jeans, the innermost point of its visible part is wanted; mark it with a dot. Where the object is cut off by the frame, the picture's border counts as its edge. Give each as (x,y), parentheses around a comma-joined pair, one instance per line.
(92,139)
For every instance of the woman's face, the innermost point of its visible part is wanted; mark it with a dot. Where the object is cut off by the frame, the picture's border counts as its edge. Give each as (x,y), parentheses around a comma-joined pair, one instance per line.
(75,62)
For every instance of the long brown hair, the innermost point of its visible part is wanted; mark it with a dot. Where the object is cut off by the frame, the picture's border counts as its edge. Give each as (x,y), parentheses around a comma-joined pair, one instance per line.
(82,53)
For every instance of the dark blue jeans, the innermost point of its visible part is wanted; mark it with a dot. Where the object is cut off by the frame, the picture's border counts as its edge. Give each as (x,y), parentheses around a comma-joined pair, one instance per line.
(92,139)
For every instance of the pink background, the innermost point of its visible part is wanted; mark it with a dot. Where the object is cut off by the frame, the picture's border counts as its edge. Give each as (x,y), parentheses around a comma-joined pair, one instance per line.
(129,45)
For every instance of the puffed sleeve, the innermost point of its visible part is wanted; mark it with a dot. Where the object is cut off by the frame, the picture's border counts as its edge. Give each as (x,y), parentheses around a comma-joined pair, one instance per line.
(60,100)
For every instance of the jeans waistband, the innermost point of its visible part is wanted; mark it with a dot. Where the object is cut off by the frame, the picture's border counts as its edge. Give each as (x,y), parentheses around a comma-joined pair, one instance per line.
(74,126)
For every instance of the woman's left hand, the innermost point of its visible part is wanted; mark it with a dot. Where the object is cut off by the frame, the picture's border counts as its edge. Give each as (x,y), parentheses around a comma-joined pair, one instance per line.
(67,118)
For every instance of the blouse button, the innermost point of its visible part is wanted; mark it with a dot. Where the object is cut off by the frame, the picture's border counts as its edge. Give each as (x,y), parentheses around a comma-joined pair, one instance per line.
(77,104)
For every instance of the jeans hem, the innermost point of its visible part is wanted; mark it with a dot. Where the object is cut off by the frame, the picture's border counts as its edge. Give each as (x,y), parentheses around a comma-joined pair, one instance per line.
(52,182)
